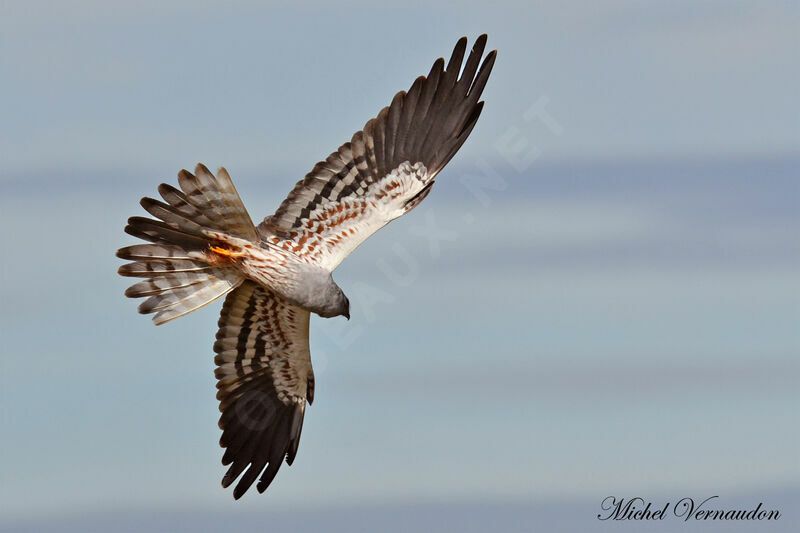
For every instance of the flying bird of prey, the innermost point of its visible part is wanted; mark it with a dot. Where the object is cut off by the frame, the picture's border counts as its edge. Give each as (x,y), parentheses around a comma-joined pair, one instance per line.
(202,245)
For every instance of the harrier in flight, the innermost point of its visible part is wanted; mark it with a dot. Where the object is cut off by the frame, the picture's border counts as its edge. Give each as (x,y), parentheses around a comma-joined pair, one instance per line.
(202,245)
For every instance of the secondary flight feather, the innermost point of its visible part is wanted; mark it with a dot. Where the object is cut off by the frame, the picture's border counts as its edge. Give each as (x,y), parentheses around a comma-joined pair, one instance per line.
(202,245)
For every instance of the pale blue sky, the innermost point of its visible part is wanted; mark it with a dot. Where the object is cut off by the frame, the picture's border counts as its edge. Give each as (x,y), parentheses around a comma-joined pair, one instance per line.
(615,312)
(259,86)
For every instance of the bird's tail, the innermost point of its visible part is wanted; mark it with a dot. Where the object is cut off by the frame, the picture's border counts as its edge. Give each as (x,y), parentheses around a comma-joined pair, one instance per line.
(182,262)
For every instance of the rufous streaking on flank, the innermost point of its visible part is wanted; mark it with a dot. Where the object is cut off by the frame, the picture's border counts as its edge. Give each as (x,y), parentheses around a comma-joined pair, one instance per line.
(202,245)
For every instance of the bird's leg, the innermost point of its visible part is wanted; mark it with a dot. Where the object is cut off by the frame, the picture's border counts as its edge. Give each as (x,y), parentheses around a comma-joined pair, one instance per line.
(221,251)
(225,252)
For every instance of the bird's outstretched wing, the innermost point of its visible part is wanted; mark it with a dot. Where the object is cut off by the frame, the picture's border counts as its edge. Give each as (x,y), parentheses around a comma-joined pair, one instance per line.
(388,167)
(264,379)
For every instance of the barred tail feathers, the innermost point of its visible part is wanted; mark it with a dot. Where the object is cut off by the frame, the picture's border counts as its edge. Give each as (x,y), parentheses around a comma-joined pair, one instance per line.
(181,274)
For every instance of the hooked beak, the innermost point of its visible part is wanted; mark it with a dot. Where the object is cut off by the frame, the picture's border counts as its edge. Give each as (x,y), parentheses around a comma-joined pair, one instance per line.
(347,310)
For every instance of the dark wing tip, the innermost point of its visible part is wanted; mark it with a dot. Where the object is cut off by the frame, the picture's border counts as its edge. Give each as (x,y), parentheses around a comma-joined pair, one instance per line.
(239,489)
(490,57)
(482,77)
(476,113)
(458,54)
(438,67)
(269,474)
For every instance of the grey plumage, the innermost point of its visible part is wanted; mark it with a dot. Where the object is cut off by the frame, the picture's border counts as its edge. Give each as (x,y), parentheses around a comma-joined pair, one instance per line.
(316,291)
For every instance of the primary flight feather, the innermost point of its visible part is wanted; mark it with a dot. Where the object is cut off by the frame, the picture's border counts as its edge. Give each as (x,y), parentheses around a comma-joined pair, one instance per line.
(202,245)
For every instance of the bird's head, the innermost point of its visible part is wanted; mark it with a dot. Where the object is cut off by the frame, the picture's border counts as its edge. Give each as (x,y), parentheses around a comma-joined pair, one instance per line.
(342,305)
